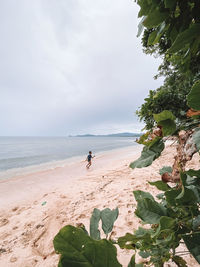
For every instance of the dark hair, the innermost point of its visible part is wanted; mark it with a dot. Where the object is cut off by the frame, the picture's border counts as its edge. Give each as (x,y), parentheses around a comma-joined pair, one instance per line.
(90,152)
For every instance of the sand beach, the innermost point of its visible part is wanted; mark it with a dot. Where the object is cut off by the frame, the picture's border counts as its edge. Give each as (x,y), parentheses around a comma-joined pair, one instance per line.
(35,206)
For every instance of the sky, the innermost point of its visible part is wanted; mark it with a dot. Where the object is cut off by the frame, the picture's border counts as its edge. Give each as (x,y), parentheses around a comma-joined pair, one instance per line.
(71,67)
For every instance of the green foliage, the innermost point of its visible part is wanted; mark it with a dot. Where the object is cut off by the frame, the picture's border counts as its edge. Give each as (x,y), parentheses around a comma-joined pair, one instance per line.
(77,249)
(150,211)
(149,154)
(194,96)
(192,242)
(94,224)
(178,217)
(166,120)
(167,97)
(108,218)
(160,185)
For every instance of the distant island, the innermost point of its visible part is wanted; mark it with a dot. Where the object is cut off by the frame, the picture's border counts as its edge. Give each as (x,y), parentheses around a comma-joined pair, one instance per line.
(108,135)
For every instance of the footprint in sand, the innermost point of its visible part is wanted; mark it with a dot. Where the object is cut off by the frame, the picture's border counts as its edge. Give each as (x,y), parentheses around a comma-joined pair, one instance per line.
(3,222)
(63,196)
(13,259)
(14,209)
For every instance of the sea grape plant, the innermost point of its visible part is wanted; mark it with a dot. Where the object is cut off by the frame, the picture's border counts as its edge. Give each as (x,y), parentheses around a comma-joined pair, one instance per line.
(78,248)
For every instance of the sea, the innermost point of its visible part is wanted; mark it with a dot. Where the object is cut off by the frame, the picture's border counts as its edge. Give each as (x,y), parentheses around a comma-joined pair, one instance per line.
(21,154)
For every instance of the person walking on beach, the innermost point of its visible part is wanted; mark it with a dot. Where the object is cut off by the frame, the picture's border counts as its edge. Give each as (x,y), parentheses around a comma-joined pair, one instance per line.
(89,159)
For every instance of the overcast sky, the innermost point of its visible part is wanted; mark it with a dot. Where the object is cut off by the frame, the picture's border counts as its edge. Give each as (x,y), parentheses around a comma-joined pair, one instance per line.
(71,67)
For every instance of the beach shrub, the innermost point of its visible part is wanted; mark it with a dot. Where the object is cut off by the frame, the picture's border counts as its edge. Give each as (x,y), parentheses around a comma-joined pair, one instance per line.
(170,30)
(78,248)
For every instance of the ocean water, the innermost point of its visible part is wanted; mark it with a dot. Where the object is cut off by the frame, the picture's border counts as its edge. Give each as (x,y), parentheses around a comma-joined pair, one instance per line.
(21,152)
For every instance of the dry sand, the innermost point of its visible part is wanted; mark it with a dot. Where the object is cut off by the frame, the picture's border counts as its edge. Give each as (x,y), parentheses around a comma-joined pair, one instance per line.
(35,206)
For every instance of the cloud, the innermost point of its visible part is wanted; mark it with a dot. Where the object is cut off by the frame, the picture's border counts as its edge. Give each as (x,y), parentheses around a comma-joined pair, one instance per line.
(71,67)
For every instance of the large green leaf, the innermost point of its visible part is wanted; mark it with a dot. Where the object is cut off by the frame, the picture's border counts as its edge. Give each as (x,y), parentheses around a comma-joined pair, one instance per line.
(155,18)
(160,185)
(196,138)
(164,115)
(168,127)
(171,195)
(185,37)
(150,211)
(193,173)
(165,223)
(187,196)
(139,195)
(94,224)
(144,7)
(193,97)
(192,242)
(79,250)
(108,218)
(149,154)
(166,120)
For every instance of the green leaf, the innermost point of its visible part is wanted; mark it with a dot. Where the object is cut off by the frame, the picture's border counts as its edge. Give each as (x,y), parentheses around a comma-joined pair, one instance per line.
(150,211)
(155,18)
(185,38)
(164,115)
(139,195)
(171,195)
(94,224)
(166,120)
(149,154)
(193,173)
(192,242)
(128,241)
(196,138)
(193,98)
(186,197)
(144,254)
(168,127)
(143,233)
(180,262)
(166,223)
(151,38)
(160,185)
(144,7)
(108,218)
(79,250)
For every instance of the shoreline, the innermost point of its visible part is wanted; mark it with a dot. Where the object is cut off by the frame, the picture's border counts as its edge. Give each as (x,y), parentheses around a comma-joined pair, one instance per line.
(38,182)
(37,206)
(21,171)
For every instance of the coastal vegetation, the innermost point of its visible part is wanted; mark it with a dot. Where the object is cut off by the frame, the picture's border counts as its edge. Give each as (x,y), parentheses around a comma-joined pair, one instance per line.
(171,31)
